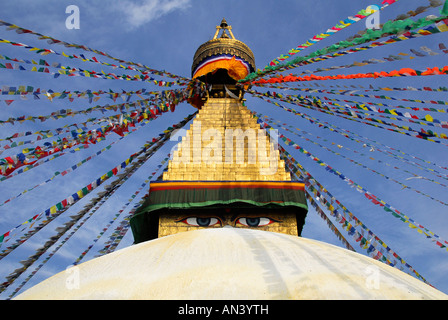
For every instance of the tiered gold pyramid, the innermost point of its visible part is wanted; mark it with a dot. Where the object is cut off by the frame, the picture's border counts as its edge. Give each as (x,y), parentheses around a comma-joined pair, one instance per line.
(196,158)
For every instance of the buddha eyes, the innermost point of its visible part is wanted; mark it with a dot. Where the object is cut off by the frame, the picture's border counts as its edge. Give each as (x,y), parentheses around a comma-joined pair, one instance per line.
(210,221)
(201,222)
(254,222)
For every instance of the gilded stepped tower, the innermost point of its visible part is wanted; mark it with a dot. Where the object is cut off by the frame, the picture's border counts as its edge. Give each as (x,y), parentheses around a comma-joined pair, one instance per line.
(225,171)
(239,149)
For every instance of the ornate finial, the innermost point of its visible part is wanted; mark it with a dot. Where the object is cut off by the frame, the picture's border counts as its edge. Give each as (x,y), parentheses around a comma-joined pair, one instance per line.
(224,26)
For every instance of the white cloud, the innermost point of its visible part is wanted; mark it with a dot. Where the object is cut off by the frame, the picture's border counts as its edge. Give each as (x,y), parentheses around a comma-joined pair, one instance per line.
(137,14)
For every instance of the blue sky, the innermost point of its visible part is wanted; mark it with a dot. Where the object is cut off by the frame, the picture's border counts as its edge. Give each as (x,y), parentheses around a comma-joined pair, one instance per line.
(164,35)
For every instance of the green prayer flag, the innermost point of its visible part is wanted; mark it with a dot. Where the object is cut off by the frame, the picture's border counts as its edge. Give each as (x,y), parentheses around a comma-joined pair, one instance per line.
(444,10)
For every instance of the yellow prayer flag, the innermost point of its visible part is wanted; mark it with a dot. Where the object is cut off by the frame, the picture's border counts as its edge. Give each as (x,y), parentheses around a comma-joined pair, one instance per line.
(442,26)
(424,32)
(392,111)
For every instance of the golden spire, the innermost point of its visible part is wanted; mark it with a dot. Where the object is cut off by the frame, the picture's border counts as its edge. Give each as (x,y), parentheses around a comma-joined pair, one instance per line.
(224,26)
(226,170)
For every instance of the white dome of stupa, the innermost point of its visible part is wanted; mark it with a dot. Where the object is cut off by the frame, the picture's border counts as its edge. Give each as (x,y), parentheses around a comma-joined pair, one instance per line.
(232,263)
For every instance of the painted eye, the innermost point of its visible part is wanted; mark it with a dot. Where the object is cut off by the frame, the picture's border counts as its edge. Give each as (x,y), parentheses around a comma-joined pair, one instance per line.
(201,222)
(255,222)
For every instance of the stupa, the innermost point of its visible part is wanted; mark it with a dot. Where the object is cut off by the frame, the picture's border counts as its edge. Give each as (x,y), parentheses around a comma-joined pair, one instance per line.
(225,220)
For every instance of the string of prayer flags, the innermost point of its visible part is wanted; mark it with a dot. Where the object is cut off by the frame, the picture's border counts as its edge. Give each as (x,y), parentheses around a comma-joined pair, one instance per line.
(323,107)
(352,88)
(370,106)
(329,223)
(371,88)
(79,164)
(402,30)
(63,173)
(80,128)
(72,71)
(390,58)
(346,133)
(84,214)
(272,121)
(403,72)
(406,36)
(91,95)
(353,93)
(368,241)
(356,111)
(289,142)
(121,126)
(63,113)
(51,40)
(292,143)
(96,202)
(57,209)
(393,114)
(9,164)
(411,13)
(373,198)
(390,114)
(29,156)
(342,25)
(121,230)
(166,101)
(159,97)
(118,234)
